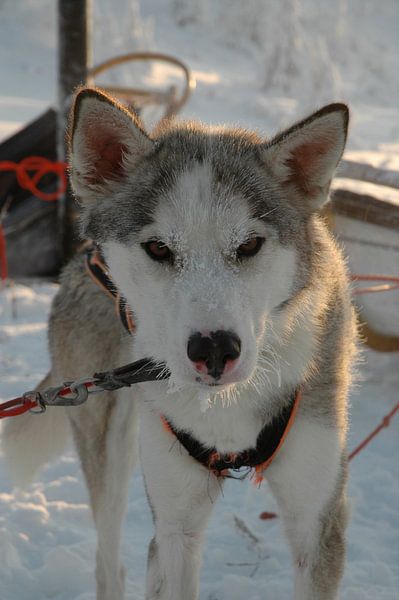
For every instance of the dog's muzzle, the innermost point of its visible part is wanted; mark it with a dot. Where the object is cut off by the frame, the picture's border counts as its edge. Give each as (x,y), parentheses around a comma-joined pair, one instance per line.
(215,354)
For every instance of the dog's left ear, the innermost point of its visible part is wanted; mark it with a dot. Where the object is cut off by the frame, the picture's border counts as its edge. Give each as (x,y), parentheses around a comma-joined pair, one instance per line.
(106,143)
(305,156)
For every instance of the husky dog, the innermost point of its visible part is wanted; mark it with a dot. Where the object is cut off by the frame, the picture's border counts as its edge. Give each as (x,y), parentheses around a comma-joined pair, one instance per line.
(214,238)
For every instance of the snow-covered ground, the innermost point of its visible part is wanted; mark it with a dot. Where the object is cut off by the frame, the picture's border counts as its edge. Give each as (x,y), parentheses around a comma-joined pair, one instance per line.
(261,64)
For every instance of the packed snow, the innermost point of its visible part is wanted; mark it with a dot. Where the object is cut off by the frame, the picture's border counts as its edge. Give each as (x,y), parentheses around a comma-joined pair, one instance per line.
(260,64)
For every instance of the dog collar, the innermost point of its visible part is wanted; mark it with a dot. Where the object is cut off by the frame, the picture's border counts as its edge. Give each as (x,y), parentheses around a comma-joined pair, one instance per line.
(268,443)
(98,271)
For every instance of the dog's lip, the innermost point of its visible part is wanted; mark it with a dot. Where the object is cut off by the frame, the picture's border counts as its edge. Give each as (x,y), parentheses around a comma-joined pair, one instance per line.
(209,384)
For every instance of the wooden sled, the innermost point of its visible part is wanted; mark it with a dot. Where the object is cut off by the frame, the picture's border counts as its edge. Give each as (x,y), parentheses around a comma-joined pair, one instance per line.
(368,227)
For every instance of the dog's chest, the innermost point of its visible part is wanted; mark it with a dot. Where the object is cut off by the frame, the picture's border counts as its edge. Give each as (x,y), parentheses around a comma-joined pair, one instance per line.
(229,429)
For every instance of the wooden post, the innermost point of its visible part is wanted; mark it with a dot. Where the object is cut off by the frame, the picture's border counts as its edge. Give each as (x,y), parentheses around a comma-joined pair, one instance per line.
(74,43)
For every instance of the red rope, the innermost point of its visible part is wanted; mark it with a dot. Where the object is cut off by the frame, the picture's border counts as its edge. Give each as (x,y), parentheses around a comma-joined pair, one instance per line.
(29,173)
(3,256)
(391,283)
(386,421)
(16,407)
(20,405)
(32,169)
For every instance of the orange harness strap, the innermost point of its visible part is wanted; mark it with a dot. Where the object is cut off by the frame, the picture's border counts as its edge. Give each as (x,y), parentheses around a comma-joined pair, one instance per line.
(260,469)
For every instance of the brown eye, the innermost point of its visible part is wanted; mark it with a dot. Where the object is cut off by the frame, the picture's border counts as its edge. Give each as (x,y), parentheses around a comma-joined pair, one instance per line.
(157,250)
(250,248)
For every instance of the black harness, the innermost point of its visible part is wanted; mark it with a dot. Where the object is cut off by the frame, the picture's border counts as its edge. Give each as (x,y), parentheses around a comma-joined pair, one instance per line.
(270,438)
(269,441)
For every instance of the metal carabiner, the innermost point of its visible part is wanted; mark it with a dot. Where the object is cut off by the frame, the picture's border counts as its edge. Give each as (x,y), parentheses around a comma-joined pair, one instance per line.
(80,391)
(35,396)
(50,396)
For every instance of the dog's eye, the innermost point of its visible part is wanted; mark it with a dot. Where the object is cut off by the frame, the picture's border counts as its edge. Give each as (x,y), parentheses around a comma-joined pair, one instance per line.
(250,248)
(157,250)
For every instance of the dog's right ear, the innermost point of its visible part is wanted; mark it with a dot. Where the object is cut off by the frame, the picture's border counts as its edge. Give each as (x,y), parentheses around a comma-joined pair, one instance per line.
(106,142)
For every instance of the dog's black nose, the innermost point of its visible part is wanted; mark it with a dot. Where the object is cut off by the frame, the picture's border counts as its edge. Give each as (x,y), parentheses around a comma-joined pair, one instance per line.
(211,354)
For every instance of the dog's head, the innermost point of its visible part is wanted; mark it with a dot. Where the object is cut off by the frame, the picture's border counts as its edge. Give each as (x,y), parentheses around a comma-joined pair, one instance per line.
(204,230)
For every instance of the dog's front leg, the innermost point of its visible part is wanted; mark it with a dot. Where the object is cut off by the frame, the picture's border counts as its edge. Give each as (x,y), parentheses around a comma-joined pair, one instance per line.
(181,493)
(105,435)
(308,480)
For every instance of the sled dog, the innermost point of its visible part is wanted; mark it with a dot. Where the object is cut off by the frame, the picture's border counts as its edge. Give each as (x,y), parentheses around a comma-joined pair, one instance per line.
(214,239)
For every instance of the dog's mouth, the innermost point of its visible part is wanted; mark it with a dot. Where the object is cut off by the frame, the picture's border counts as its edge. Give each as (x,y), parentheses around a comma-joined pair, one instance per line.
(204,383)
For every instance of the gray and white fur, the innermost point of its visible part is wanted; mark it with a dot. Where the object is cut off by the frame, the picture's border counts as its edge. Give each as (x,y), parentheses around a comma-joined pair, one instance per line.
(240,247)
